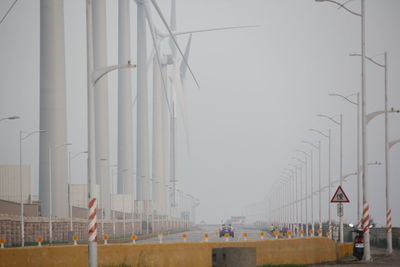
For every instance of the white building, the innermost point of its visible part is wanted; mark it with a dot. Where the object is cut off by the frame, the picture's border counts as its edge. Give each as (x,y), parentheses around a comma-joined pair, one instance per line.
(10,186)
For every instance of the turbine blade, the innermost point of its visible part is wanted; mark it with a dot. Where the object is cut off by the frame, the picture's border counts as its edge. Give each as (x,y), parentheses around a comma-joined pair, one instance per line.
(183,67)
(173,38)
(180,99)
(157,53)
(173,26)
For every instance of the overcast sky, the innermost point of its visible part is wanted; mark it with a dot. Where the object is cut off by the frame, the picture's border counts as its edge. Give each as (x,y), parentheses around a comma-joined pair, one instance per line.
(260,90)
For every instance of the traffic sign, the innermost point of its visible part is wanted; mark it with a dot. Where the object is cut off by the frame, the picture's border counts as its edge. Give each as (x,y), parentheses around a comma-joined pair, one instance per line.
(340,196)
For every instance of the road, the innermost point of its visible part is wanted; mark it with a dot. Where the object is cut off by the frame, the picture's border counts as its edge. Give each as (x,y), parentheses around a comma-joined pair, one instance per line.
(196,235)
(379,259)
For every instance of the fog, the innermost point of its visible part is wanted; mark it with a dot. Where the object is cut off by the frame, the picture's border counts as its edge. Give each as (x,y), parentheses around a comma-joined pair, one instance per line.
(260,91)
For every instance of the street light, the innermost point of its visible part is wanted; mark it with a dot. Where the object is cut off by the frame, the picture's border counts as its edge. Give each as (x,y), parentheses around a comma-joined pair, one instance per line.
(10,118)
(329,176)
(367,249)
(70,158)
(93,77)
(340,123)
(301,192)
(297,199)
(358,148)
(310,155)
(22,138)
(292,208)
(285,203)
(318,147)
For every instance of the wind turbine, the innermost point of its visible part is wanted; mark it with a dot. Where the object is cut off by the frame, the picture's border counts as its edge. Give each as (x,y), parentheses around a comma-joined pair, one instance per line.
(142,93)
(176,77)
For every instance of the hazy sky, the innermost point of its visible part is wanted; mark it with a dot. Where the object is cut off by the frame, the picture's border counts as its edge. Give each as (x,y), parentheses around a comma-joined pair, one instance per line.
(261,89)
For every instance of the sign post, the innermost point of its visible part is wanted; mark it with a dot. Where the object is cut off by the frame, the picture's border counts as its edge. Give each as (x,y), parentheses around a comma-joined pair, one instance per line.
(340,198)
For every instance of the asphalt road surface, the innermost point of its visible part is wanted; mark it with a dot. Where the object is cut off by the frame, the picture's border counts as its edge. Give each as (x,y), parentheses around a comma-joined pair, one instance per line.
(379,256)
(196,234)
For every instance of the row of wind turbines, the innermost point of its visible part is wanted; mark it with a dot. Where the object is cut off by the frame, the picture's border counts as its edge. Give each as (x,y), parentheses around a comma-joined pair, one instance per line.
(169,71)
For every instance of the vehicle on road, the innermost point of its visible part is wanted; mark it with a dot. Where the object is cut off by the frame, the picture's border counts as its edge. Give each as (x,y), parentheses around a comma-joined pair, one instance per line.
(226,229)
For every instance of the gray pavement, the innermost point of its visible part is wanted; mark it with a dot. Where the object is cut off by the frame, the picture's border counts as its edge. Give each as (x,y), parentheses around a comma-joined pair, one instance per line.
(379,256)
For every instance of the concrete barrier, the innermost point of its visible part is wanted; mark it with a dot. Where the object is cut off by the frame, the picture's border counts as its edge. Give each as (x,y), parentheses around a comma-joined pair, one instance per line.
(280,251)
(344,250)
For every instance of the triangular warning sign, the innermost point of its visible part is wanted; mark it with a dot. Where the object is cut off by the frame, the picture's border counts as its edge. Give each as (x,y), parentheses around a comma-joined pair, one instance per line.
(339,196)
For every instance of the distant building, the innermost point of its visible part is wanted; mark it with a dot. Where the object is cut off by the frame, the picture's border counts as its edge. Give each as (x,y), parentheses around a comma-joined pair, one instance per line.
(10,188)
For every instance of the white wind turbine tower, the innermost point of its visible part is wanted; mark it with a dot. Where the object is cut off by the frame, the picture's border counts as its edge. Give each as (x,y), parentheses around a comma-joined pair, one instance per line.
(125,116)
(53,116)
(101,103)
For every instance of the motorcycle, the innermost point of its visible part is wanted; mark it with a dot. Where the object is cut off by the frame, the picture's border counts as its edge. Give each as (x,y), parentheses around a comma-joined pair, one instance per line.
(358,247)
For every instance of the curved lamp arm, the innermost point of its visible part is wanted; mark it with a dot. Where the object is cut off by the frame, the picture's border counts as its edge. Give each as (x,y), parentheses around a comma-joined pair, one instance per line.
(341,6)
(99,73)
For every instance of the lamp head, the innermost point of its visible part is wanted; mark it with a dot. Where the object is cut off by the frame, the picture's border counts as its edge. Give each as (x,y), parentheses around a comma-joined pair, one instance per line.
(13,117)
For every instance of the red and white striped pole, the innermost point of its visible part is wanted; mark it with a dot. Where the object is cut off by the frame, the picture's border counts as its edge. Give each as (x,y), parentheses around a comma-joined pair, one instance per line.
(365,219)
(365,227)
(91,184)
(389,231)
(389,221)
(93,220)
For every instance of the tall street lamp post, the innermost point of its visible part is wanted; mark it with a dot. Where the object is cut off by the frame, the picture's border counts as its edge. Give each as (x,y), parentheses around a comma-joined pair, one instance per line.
(292,194)
(329,176)
(70,158)
(93,76)
(365,220)
(358,151)
(301,193)
(340,123)
(295,182)
(387,181)
(22,138)
(309,155)
(318,147)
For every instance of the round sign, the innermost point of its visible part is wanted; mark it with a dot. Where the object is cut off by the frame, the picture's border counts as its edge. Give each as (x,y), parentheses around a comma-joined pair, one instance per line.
(301,232)
(244,234)
(2,240)
(75,237)
(289,233)
(311,231)
(205,235)
(39,239)
(105,237)
(184,235)
(226,235)
(133,237)
(262,234)
(328,234)
(319,231)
